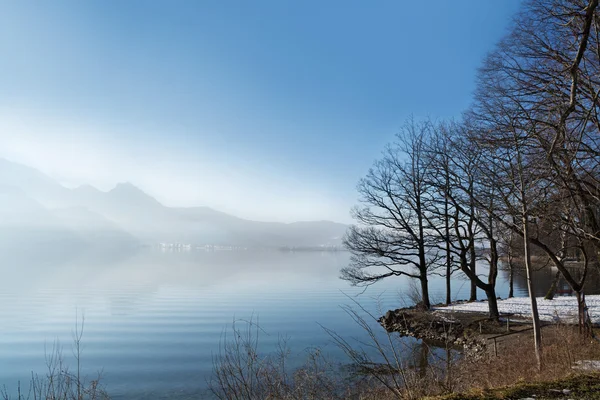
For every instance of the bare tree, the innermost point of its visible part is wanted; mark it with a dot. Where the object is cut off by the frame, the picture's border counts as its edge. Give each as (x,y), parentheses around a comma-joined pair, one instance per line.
(466,229)
(439,205)
(540,86)
(509,246)
(391,238)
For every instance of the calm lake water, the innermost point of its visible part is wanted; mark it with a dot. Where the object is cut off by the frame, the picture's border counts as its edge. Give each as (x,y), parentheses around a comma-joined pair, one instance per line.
(154,319)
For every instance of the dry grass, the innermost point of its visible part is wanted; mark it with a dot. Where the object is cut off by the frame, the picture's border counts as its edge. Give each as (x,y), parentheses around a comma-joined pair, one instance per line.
(579,386)
(241,373)
(59,382)
(562,346)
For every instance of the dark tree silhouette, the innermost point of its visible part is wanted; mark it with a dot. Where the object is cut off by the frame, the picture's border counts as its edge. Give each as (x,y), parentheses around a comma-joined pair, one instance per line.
(391,238)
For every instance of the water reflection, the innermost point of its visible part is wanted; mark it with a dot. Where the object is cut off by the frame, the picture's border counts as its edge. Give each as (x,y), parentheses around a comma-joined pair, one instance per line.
(429,357)
(544,275)
(154,318)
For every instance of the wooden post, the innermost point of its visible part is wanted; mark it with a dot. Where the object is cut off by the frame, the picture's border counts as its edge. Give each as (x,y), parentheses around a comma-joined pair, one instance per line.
(508,324)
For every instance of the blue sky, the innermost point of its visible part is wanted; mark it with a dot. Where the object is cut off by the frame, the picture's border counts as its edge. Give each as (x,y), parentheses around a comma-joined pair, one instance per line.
(267,109)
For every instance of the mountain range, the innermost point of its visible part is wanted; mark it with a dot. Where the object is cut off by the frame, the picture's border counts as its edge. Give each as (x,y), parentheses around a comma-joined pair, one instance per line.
(36,210)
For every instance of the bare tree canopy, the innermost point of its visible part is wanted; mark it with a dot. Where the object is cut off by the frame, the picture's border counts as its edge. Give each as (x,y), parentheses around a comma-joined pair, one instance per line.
(518,175)
(391,237)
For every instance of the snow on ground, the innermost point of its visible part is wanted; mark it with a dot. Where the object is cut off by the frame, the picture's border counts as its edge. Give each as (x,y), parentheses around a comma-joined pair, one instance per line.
(562,308)
(587,365)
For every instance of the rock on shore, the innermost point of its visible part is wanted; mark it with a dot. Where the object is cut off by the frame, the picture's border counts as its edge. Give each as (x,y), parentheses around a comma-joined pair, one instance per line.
(438,327)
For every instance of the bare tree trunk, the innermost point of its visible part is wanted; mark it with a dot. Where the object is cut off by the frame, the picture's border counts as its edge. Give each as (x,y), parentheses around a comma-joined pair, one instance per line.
(584,328)
(552,291)
(489,288)
(473,266)
(511,279)
(473,296)
(537,334)
(580,310)
(511,268)
(448,254)
(425,291)
(448,280)
(492,304)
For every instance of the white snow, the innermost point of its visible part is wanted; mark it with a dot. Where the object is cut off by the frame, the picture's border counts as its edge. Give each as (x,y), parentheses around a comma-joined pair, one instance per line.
(562,308)
(587,365)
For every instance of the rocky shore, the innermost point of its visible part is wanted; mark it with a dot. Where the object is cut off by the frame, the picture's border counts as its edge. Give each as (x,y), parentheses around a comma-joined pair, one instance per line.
(443,329)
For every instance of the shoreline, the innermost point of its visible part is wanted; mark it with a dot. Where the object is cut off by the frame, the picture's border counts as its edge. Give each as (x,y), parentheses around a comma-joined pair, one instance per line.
(467,325)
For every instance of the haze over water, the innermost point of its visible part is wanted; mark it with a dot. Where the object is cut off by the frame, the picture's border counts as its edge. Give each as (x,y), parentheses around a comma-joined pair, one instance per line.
(158,162)
(154,318)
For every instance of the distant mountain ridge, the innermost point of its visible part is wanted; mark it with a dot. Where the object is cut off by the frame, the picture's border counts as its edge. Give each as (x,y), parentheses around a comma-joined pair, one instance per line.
(126,215)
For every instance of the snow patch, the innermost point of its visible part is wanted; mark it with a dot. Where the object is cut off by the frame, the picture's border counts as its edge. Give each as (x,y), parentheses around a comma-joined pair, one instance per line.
(563,308)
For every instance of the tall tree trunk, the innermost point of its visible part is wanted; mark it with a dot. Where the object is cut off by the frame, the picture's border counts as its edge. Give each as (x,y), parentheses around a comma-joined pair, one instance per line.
(473,295)
(473,266)
(425,291)
(492,303)
(580,310)
(422,256)
(490,291)
(448,251)
(489,288)
(448,282)
(511,279)
(584,328)
(537,334)
(552,291)
(511,270)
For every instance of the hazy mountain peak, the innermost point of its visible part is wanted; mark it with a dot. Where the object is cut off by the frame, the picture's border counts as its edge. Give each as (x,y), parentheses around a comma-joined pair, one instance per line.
(86,188)
(126,187)
(129,191)
(110,217)
(23,171)
(4,163)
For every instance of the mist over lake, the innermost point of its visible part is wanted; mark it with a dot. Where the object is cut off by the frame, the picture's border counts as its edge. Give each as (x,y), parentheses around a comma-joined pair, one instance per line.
(299,200)
(154,318)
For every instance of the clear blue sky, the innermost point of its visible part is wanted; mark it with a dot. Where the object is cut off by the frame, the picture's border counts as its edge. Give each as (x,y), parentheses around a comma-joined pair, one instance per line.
(266,109)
